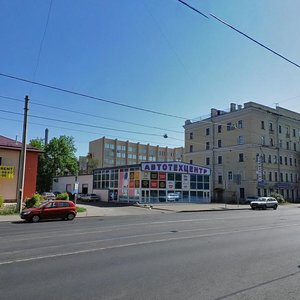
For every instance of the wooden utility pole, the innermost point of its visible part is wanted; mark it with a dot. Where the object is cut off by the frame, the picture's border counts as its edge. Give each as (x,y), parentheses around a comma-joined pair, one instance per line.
(22,162)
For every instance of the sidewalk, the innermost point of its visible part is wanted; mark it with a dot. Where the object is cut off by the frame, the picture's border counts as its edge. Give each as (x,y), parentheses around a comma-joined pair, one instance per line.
(103,210)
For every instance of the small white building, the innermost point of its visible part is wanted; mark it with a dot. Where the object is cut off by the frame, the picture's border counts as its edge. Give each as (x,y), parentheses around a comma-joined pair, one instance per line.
(69,183)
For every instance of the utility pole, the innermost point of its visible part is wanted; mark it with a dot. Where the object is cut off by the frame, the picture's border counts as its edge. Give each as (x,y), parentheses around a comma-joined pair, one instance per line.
(22,162)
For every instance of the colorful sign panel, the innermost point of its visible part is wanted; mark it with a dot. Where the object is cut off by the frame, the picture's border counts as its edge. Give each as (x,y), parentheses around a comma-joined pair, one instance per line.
(175,167)
(7,172)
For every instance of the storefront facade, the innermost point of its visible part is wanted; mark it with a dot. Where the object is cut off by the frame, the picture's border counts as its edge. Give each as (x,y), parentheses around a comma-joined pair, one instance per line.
(154,182)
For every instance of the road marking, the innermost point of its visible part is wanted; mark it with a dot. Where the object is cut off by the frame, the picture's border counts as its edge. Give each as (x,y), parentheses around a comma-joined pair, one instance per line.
(123,227)
(140,243)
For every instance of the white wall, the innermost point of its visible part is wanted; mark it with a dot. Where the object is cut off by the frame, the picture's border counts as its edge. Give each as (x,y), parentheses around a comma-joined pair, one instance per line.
(60,183)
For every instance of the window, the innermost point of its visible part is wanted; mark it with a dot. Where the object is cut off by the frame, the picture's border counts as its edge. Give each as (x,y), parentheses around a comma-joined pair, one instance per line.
(207,131)
(291,177)
(207,161)
(281,177)
(280,143)
(276,176)
(262,125)
(291,161)
(295,147)
(275,159)
(109,146)
(219,143)
(241,157)
(131,149)
(285,160)
(219,160)
(191,161)
(121,147)
(279,129)
(191,135)
(0,160)
(241,140)
(269,159)
(220,179)
(288,145)
(230,176)
(207,146)
(294,132)
(121,154)
(270,176)
(271,142)
(271,127)
(295,160)
(286,177)
(263,140)
(191,148)
(229,126)
(219,128)
(240,124)
(280,160)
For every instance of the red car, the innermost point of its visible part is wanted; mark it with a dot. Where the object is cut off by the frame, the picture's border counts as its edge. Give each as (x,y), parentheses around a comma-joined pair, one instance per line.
(56,209)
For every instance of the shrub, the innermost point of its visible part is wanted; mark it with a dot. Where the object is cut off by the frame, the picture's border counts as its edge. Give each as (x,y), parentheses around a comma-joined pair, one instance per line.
(8,210)
(1,201)
(35,200)
(278,197)
(63,196)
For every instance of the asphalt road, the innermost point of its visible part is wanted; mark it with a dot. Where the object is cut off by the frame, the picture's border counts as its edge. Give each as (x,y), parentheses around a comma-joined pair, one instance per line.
(206,255)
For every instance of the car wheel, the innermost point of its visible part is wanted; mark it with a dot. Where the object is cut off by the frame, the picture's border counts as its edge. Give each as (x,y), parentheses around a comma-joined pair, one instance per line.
(264,207)
(275,207)
(70,216)
(35,218)
(253,207)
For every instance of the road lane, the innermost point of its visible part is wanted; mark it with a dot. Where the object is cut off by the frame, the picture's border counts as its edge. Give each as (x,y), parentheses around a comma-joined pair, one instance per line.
(181,256)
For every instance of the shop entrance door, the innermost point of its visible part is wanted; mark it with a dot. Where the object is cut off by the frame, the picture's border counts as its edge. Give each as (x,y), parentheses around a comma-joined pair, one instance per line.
(145,196)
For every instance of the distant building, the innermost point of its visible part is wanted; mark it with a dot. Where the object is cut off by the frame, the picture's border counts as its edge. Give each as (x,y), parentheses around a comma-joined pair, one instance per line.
(114,152)
(10,151)
(251,150)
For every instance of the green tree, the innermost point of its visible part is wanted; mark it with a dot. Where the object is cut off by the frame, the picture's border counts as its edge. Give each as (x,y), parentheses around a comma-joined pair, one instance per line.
(37,143)
(57,159)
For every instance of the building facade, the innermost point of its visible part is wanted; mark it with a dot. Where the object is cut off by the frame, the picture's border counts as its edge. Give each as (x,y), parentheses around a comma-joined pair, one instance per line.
(153,182)
(114,152)
(252,150)
(84,184)
(10,151)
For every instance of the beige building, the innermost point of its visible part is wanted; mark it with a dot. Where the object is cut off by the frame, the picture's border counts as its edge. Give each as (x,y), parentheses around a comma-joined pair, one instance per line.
(113,152)
(252,150)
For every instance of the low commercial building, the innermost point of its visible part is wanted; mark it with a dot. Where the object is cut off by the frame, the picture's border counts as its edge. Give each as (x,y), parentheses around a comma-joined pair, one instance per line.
(10,151)
(82,184)
(153,182)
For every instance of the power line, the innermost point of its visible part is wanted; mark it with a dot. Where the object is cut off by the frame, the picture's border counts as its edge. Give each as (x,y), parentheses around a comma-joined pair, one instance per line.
(90,97)
(41,43)
(92,115)
(255,41)
(242,33)
(82,124)
(191,7)
(79,130)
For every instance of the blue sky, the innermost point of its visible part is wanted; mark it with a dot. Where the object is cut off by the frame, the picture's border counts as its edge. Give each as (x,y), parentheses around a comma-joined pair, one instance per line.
(153,54)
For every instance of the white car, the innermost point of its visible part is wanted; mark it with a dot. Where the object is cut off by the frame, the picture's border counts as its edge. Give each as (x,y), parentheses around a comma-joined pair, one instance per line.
(48,196)
(90,197)
(173,196)
(264,203)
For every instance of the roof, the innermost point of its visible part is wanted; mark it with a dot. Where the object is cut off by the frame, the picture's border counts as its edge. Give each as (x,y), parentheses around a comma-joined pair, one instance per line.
(7,143)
